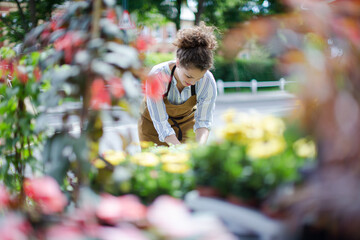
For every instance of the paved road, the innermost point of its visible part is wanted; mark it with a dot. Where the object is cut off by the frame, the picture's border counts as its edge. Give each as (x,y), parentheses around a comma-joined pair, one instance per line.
(276,103)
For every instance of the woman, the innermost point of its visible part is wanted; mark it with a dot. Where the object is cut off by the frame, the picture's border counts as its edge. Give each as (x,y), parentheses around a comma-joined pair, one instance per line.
(189,93)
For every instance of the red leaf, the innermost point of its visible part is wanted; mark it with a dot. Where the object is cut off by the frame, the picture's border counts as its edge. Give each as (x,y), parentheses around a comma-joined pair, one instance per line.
(99,94)
(141,43)
(116,87)
(37,74)
(155,85)
(21,74)
(111,15)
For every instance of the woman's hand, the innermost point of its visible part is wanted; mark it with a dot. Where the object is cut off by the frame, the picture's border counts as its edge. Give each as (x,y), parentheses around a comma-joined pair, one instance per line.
(172,139)
(202,135)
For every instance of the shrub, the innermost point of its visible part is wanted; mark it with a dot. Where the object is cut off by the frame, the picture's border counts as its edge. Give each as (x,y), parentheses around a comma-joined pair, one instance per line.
(155,58)
(245,70)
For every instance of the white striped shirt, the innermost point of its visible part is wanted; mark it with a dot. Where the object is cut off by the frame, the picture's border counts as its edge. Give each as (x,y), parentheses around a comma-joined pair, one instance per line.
(205,95)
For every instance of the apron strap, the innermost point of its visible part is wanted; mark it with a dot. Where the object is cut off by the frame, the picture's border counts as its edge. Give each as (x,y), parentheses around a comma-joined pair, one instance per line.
(193,91)
(178,126)
(171,77)
(173,119)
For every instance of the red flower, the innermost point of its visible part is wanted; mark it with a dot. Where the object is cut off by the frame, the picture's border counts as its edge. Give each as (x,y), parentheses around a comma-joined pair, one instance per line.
(154,86)
(99,94)
(4,197)
(46,192)
(126,208)
(116,87)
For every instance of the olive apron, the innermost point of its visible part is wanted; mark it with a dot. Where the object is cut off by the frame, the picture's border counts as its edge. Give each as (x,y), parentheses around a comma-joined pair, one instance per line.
(181,117)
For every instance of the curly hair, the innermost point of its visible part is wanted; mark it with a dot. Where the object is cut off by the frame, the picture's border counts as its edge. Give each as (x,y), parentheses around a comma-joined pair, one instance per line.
(195,47)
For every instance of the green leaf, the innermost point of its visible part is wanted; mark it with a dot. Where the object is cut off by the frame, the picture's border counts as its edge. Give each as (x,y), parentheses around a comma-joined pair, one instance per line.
(56,156)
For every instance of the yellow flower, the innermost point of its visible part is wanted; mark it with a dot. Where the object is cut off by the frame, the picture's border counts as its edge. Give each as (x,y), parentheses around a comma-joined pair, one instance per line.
(175,167)
(114,157)
(231,132)
(146,144)
(229,115)
(146,159)
(266,148)
(98,163)
(253,132)
(273,126)
(305,148)
(175,158)
(161,150)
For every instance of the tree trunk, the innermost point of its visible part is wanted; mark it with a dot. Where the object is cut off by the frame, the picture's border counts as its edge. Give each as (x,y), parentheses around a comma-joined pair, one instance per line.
(177,20)
(23,19)
(200,10)
(32,11)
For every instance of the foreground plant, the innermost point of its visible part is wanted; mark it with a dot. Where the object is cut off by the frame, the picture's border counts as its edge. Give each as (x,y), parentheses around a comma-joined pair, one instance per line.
(148,174)
(253,155)
(90,61)
(19,98)
(102,217)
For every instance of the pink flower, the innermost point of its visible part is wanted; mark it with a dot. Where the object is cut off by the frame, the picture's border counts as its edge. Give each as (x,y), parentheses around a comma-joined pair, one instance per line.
(124,233)
(125,208)
(4,197)
(133,209)
(99,94)
(60,232)
(154,86)
(14,227)
(116,87)
(173,219)
(46,192)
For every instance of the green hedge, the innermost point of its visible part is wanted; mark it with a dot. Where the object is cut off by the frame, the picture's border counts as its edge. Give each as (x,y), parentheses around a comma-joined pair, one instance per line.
(245,69)
(155,58)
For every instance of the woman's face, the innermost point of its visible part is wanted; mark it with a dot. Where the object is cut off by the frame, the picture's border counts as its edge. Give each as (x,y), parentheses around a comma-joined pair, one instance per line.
(190,76)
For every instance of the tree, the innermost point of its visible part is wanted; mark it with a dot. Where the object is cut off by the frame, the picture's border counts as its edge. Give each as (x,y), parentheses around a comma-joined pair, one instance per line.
(226,13)
(28,15)
(146,9)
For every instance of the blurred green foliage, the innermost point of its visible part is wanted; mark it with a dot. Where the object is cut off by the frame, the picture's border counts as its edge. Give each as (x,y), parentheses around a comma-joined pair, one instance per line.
(237,70)
(245,69)
(155,58)
(19,98)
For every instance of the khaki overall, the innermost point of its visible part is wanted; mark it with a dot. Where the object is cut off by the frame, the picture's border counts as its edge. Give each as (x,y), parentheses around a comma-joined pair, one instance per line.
(181,118)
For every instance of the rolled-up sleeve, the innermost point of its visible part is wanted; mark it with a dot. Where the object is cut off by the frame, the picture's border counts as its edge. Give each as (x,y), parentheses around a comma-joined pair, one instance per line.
(206,97)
